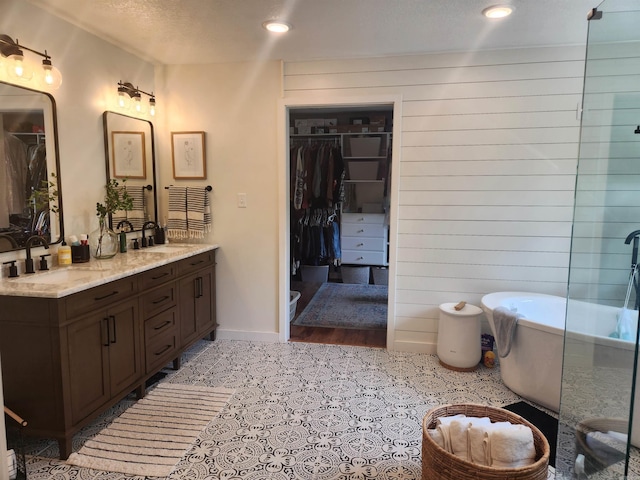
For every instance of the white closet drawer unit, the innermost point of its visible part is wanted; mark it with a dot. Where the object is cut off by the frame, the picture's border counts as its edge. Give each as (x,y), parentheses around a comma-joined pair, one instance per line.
(364,239)
(363,243)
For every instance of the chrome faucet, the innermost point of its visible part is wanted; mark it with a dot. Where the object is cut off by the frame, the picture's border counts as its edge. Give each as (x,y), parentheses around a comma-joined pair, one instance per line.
(144,242)
(28,263)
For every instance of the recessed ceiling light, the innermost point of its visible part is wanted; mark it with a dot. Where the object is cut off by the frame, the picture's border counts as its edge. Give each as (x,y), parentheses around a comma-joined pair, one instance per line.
(276,26)
(498,11)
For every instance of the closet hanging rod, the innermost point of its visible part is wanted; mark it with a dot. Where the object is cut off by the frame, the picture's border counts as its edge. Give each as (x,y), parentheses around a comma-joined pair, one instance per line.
(208,188)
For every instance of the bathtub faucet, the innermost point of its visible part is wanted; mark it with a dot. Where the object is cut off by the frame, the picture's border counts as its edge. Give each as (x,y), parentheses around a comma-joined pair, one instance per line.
(634,255)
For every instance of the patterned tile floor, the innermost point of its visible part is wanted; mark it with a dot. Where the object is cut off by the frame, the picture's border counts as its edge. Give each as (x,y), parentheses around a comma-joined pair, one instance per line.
(303,411)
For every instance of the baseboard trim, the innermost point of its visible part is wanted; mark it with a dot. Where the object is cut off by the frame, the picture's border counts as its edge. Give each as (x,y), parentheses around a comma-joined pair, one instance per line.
(415,347)
(271,337)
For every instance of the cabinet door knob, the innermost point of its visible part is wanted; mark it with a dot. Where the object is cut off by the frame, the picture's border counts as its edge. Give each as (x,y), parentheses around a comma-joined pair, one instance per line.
(360,231)
(360,258)
(360,245)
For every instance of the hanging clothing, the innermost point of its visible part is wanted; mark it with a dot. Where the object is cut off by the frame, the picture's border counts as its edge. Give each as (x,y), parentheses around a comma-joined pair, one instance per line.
(16,166)
(317,188)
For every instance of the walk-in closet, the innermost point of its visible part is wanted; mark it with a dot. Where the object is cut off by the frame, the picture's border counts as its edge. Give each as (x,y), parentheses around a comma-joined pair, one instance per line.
(340,177)
(23,171)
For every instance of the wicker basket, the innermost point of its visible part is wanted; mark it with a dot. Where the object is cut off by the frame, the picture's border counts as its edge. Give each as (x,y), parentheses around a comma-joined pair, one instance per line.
(594,460)
(438,464)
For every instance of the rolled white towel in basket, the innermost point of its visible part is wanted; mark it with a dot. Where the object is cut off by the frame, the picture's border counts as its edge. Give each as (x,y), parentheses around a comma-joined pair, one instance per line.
(459,433)
(511,446)
(436,436)
(477,453)
(13,464)
(442,425)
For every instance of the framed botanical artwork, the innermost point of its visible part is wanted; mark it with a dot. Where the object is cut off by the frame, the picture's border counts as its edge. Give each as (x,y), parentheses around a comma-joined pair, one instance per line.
(129,159)
(187,152)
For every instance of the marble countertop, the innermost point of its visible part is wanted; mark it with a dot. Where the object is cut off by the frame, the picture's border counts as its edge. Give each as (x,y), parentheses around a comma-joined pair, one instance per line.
(61,281)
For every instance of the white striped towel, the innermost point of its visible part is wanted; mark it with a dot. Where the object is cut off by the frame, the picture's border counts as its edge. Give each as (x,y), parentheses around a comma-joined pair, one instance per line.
(198,212)
(137,215)
(177,215)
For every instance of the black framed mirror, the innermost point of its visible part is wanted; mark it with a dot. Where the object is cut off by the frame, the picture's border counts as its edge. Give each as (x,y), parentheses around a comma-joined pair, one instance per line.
(130,155)
(30,189)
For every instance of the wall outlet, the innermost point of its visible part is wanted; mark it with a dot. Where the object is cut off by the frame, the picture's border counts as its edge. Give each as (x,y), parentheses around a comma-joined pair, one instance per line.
(242,200)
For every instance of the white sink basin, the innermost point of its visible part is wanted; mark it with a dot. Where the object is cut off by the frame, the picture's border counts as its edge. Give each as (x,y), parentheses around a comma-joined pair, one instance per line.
(52,277)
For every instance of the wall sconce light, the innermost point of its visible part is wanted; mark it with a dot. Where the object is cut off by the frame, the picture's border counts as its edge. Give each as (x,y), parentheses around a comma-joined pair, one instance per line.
(131,97)
(19,69)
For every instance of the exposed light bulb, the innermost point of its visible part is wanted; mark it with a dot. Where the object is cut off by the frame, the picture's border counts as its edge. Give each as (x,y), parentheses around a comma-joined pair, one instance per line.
(123,99)
(152,106)
(138,106)
(52,77)
(18,68)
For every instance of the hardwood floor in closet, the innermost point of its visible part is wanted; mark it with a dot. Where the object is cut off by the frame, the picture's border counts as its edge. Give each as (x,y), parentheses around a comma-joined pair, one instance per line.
(334,336)
(339,336)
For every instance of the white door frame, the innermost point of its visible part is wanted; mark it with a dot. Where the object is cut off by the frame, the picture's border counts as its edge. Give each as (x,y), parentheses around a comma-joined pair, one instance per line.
(284,105)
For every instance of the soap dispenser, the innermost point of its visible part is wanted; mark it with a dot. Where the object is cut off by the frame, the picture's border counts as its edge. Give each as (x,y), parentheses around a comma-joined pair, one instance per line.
(123,241)
(64,254)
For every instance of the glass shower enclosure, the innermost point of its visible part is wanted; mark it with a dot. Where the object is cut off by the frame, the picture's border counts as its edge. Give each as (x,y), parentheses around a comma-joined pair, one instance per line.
(599,419)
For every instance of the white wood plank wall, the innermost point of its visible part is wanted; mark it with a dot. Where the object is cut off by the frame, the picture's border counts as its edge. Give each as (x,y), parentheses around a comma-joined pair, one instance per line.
(487,171)
(608,188)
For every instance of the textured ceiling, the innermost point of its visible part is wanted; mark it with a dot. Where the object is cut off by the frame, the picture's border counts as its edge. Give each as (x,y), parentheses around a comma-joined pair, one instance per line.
(212,31)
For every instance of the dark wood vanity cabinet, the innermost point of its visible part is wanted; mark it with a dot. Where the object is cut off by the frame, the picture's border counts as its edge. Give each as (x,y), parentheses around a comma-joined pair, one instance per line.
(67,360)
(197,297)
(104,357)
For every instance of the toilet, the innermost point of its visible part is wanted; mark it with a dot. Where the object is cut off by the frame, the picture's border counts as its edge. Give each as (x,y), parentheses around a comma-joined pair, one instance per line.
(459,343)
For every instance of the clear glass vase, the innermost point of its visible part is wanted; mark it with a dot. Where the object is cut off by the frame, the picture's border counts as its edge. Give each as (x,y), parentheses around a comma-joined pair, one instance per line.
(103,241)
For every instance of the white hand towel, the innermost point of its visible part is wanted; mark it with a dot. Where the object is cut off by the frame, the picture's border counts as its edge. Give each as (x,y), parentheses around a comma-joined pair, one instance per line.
(448,420)
(459,437)
(477,433)
(459,433)
(436,436)
(442,425)
(446,437)
(512,446)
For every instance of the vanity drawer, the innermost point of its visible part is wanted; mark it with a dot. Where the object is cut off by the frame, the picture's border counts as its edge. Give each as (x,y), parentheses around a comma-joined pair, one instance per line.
(161,339)
(196,262)
(157,276)
(159,299)
(161,325)
(101,297)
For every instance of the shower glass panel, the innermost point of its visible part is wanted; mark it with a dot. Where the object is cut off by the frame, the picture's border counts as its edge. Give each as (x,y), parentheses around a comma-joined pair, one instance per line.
(599,429)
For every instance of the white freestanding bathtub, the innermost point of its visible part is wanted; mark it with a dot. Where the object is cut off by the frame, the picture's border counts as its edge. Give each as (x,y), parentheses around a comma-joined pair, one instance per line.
(533,368)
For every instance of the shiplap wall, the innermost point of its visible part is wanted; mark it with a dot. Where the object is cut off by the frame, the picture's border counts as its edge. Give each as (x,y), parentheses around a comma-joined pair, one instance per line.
(608,187)
(487,171)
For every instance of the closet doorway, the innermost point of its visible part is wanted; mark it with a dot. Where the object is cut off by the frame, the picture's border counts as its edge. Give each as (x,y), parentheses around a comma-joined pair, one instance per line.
(339,177)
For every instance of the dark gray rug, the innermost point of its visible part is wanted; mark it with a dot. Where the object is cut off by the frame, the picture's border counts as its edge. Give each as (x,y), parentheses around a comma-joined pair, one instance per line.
(341,305)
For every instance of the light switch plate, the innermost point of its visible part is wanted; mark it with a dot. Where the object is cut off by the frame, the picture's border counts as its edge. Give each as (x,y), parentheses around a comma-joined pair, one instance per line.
(242,200)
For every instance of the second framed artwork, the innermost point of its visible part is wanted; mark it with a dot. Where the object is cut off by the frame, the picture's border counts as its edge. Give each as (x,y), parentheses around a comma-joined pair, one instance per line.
(187,152)
(128,155)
